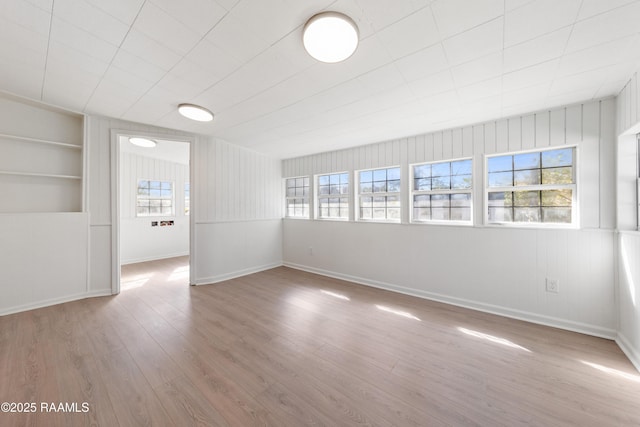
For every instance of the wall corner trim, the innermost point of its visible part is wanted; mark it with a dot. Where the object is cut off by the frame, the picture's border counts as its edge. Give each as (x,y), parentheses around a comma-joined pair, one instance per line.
(632,353)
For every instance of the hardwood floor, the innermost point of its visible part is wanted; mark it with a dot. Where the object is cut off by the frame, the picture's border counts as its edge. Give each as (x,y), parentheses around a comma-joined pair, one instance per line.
(288,348)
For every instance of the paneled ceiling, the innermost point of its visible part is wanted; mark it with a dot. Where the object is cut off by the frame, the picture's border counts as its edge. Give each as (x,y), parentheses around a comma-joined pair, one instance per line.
(421,65)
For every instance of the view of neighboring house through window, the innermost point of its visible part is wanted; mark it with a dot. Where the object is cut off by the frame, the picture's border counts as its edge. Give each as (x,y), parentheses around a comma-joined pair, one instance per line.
(154,198)
(297,198)
(379,194)
(333,196)
(442,191)
(532,187)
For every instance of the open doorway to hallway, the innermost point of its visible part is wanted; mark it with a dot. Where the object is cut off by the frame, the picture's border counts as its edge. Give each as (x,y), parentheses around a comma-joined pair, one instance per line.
(154,204)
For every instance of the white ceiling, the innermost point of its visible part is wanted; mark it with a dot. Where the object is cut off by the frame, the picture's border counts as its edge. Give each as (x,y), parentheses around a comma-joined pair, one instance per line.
(421,65)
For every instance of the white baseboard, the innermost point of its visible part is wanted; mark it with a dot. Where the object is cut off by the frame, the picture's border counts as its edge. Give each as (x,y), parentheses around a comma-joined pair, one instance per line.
(53,301)
(474,305)
(152,258)
(629,350)
(234,274)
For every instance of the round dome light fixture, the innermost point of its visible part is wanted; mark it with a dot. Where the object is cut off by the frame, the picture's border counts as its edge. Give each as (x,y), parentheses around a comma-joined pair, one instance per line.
(142,142)
(195,112)
(330,37)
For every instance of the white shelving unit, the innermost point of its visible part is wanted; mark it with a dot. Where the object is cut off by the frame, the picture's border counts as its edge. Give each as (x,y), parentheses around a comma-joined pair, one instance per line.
(41,158)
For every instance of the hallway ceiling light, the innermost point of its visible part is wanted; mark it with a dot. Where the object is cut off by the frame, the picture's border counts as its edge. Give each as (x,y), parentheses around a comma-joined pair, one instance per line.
(330,37)
(143,142)
(195,112)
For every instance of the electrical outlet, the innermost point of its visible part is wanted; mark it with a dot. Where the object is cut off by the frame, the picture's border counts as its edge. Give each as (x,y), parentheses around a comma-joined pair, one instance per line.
(553,285)
(310,250)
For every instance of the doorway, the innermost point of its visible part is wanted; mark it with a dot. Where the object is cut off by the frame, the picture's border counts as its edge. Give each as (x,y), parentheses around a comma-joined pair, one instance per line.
(152,211)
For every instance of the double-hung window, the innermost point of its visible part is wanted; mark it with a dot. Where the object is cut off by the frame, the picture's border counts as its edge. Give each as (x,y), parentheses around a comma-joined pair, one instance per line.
(154,198)
(442,191)
(297,198)
(333,196)
(532,187)
(379,194)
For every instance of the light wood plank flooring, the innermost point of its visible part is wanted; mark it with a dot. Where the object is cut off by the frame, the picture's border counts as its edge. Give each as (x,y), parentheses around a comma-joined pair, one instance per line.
(288,348)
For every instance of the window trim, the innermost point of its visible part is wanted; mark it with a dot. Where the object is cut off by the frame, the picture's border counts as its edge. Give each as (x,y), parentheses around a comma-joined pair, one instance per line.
(308,198)
(317,196)
(358,195)
(575,200)
(413,192)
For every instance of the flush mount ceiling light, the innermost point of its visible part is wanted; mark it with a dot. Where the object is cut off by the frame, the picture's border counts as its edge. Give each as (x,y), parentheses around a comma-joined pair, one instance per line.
(143,142)
(330,37)
(195,112)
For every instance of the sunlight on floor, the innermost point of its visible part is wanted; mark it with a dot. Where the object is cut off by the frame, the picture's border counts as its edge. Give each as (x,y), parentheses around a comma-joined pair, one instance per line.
(491,338)
(180,273)
(134,282)
(612,371)
(336,295)
(398,312)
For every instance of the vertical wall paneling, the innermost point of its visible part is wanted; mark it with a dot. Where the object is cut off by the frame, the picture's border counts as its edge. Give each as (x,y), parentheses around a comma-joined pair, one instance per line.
(542,129)
(437,146)
(496,259)
(515,134)
(557,127)
(527,128)
(490,138)
(447,145)
(467,141)
(589,170)
(607,164)
(627,111)
(502,136)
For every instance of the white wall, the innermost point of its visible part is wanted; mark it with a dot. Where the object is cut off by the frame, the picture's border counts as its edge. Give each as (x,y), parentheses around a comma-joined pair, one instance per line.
(234,190)
(43,231)
(628,238)
(139,241)
(501,270)
(239,211)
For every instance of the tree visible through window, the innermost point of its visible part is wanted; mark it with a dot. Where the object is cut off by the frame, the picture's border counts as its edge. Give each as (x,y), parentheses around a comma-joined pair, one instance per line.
(154,198)
(532,187)
(442,191)
(379,194)
(297,198)
(333,196)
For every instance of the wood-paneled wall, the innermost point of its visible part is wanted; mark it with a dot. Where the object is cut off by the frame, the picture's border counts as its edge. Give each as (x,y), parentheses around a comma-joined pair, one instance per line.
(589,126)
(231,187)
(497,269)
(628,239)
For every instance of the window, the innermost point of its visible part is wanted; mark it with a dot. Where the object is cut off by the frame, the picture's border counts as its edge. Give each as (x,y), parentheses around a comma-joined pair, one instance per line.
(187,198)
(154,198)
(533,187)
(333,196)
(297,198)
(442,191)
(379,194)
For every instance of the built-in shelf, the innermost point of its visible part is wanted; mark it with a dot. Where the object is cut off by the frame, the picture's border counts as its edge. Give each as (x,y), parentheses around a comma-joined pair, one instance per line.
(41,141)
(41,175)
(42,160)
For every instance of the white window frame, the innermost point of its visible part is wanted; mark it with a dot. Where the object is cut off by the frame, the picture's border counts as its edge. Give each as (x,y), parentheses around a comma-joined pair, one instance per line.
(172,199)
(344,196)
(359,195)
(573,187)
(306,198)
(413,192)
